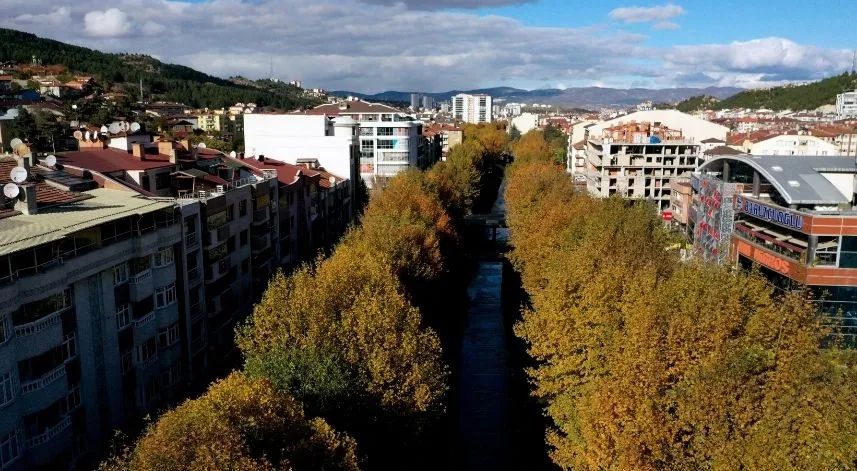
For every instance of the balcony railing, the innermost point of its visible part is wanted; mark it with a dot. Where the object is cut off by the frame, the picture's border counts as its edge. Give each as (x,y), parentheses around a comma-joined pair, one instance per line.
(44,380)
(191,240)
(145,320)
(193,275)
(145,364)
(195,311)
(141,277)
(223,232)
(39,325)
(49,433)
(261,215)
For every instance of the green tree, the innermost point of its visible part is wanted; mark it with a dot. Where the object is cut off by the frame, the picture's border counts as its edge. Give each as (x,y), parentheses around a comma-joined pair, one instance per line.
(514,133)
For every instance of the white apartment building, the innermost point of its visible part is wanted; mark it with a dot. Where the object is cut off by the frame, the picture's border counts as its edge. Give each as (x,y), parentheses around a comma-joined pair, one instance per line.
(381,140)
(525,122)
(846,104)
(298,138)
(473,109)
(793,145)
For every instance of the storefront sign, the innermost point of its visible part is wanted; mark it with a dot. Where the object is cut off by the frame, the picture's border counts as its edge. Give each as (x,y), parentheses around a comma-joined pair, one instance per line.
(765,258)
(769,213)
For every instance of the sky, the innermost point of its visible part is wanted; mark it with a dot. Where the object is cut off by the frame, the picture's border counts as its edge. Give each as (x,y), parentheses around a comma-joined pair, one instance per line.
(439,45)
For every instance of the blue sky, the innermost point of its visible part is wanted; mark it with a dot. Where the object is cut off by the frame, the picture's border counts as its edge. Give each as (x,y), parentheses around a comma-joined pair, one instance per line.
(437,45)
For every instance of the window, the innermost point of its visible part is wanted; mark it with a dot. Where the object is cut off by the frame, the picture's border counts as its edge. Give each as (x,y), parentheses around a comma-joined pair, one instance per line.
(8,388)
(169,336)
(72,399)
(147,393)
(165,296)
(172,375)
(244,237)
(123,316)
(162,181)
(10,447)
(230,212)
(366,131)
(164,257)
(242,208)
(5,334)
(385,131)
(385,144)
(127,362)
(120,274)
(145,351)
(848,252)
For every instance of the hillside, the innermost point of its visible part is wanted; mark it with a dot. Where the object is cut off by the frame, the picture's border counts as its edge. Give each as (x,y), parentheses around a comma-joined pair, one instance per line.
(694,103)
(161,81)
(583,97)
(801,97)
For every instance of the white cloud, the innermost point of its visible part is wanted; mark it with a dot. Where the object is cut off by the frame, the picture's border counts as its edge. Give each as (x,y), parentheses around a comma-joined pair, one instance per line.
(348,45)
(665,26)
(441,4)
(106,24)
(658,14)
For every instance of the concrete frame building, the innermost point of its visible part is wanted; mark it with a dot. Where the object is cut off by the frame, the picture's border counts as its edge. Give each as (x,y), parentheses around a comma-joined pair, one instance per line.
(473,109)
(846,104)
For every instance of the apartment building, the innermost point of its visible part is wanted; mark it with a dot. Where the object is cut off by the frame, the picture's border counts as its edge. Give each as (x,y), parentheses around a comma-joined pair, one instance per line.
(639,160)
(846,104)
(473,109)
(793,144)
(90,327)
(793,217)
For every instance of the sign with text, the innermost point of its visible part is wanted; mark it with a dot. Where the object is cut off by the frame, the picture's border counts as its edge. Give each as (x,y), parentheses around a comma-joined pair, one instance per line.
(768,259)
(770,213)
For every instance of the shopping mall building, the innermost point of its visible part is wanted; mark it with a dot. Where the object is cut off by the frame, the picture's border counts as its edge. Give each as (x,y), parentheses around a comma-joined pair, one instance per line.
(795,217)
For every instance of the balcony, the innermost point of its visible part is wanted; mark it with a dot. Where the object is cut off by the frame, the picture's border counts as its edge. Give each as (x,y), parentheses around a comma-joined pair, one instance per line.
(261,215)
(39,325)
(193,276)
(141,277)
(141,285)
(49,433)
(223,233)
(44,380)
(195,312)
(144,321)
(191,240)
(260,243)
(147,363)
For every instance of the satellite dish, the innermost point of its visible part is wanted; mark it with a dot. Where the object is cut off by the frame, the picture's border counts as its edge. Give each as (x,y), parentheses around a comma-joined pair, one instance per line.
(51,160)
(114,128)
(332,180)
(135,127)
(201,145)
(11,190)
(233,154)
(16,142)
(18,174)
(78,135)
(103,129)
(87,135)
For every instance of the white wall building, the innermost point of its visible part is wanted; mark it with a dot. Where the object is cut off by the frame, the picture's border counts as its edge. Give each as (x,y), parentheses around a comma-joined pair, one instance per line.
(300,138)
(526,122)
(472,108)
(793,145)
(692,128)
(846,104)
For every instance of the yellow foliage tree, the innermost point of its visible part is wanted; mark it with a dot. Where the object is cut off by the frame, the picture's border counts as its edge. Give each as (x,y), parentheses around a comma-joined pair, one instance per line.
(239,424)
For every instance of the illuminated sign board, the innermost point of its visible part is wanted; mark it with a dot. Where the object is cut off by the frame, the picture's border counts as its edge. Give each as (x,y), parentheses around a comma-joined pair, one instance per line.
(769,213)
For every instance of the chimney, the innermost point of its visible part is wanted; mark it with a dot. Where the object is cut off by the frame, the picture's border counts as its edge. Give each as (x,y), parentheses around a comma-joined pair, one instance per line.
(24,161)
(261,158)
(165,147)
(138,151)
(26,203)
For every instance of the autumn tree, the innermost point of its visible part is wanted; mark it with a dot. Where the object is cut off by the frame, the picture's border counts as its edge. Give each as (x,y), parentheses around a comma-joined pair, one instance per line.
(645,363)
(239,424)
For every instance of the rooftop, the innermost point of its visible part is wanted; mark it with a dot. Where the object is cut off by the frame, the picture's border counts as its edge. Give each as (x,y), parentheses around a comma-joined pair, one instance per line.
(54,223)
(113,160)
(351,107)
(798,179)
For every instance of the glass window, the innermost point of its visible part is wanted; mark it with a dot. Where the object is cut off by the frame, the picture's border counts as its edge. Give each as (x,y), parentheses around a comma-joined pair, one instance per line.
(123,316)
(848,255)
(8,388)
(385,144)
(5,333)
(10,447)
(168,336)
(145,350)
(385,131)
(171,375)
(165,296)
(164,257)
(120,274)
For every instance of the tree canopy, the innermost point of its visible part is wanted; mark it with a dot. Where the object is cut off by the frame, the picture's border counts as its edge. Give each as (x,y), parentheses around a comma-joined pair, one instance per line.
(648,363)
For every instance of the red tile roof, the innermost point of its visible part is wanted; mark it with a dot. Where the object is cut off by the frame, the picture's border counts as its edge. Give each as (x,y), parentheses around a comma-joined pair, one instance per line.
(286,173)
(5,78)
(113,160)
(46,195)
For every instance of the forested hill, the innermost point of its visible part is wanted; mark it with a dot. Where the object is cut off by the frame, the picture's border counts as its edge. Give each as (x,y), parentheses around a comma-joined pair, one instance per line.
(800,97)
(161,81)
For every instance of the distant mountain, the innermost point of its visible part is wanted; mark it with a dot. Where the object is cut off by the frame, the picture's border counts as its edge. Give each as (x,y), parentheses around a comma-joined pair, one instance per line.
(587,97)
(793,97)
(160,81)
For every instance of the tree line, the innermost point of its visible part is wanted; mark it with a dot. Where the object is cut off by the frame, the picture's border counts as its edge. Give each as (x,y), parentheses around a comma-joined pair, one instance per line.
(344,365)
(800,97)
(648,363)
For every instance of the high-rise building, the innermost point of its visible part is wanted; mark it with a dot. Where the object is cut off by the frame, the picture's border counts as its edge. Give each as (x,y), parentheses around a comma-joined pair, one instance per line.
(472,108)
(416,101)
(428,103)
